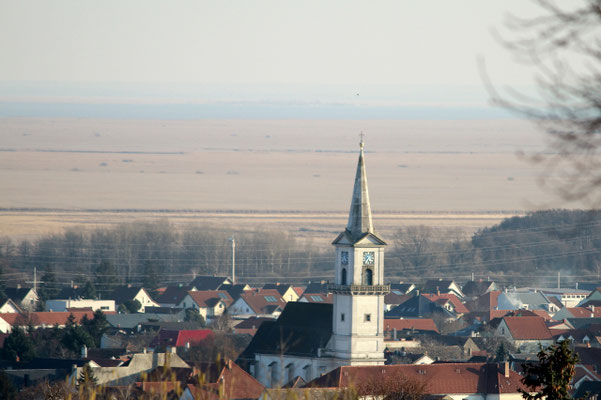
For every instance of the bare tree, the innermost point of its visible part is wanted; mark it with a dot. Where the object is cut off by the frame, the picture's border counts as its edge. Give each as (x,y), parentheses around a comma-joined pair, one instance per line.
(563,46)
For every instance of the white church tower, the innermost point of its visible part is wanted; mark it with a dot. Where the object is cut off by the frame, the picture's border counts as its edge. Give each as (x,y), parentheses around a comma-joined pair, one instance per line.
(359,289)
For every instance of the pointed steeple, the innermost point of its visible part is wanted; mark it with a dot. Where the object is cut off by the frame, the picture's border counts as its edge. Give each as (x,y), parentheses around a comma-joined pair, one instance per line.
(359,219)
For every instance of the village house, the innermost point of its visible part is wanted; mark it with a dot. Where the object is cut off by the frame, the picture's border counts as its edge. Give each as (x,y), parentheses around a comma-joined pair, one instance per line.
(9,306)
(460,381)
(438,286)
(25,298)
(64,305)
(261,302)
(123,294)
(209,303)
(526,300)
(473,289)
(593,299)
(526,333)
(173,295)
(317,298)
(210,282)
(40,319)
(288,292)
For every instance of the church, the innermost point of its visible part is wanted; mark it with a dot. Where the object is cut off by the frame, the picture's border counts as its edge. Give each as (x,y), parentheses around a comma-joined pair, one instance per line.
(310,339)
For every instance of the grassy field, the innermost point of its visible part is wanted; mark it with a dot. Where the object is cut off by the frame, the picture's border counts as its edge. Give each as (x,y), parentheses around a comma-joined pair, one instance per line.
(294,175)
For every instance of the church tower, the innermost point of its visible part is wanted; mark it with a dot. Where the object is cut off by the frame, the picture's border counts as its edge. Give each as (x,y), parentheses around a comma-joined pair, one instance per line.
(359,289)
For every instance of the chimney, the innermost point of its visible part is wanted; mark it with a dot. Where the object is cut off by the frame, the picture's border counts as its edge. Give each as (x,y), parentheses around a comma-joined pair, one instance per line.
(394,333)
(84,351)
(576,285)
(506,369)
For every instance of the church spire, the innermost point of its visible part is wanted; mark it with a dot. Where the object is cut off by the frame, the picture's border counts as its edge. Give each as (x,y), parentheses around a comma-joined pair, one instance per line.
(359,220)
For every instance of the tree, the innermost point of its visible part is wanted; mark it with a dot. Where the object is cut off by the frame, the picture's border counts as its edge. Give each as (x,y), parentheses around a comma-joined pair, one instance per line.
(86,382)
(130,306)
(392,387)
(18,346)
(7,389)
(562,46)
(48,289)
(75,336)
(192,315)
(88,291)
(96,326)
(151,278)
(551,377)
(105,276)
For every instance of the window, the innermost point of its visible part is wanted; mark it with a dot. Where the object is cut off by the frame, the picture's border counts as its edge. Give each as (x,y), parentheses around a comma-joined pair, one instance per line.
(368,277)
(316,299)
(342,317)
(270,299)
(222,295)
(343,277)
(367,318)
(104,307)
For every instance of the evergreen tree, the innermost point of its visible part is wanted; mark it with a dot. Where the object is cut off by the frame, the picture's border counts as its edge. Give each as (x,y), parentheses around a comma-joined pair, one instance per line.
(151,279)
(105,277)
(18,346)
(7,389)
(75,336)
(88,291)
(48,289)
(86,382)
(96,326)
(552,375)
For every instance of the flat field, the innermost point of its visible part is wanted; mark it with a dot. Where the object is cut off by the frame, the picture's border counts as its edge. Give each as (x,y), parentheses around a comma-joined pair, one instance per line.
(291,174)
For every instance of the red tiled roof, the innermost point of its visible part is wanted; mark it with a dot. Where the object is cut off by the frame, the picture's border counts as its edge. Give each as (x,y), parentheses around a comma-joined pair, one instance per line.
(233,383)
(48,318)
(208,298)
(486,302)
(181,338)
(422,324)
(325,298)
(258,302)
(528,328)
(460,378)
(585,312)
(459,306)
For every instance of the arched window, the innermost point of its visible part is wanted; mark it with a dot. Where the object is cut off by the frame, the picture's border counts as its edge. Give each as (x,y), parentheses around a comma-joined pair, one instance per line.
(343,277)
(368,277)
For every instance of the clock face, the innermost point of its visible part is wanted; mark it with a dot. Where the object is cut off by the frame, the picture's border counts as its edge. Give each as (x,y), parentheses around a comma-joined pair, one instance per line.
(368,258)
(344,257)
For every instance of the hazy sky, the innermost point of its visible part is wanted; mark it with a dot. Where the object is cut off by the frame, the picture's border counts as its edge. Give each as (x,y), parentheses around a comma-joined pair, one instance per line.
(376,53)
(258,41)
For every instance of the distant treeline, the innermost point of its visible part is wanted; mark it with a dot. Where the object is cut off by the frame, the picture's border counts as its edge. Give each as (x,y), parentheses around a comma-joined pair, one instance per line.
(537,245)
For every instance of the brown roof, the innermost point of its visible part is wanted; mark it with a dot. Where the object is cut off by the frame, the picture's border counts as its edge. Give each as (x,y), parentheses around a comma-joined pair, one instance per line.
(233,383)
(48,318)
(528,328)
(452,378)
(319,298)
(209,298)
(585,312)
(393,298)
(422,324)
(259,300)
(442,299)
(486,302)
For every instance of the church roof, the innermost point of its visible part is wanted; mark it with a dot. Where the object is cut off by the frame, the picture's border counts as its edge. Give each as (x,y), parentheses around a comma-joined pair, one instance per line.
(301,330)
(360,223)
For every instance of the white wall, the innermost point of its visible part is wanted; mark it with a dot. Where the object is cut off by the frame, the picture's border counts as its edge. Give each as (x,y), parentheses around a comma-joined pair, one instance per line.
(62,305)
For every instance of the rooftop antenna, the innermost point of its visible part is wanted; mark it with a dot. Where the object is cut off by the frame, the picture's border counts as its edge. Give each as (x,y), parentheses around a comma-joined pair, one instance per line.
(233,240)
(361,136)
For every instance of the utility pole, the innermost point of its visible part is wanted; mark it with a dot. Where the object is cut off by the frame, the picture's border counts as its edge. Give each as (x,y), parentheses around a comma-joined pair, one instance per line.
(233,240)
(558,280)
(35,279)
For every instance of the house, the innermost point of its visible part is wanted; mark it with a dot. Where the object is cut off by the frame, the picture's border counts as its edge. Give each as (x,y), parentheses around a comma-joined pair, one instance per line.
(131,322)
(421,325)
(402,288)
(437,286)
(594,298)
(287,292)
(25,298)
(232,382)
(577,312)
(123,294)
(9,306)
(235,290)
(449,381)
(209,303)
(418,307)
(526,333)
(181,338)
(173,295)
(262,302)
(449,302)
(391,300)
(65,305)
(473,289)
(210,282)
(567,297)
(40,319)
(514,300)
(317,287)
(130,372)
(317,298)
(484,303)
